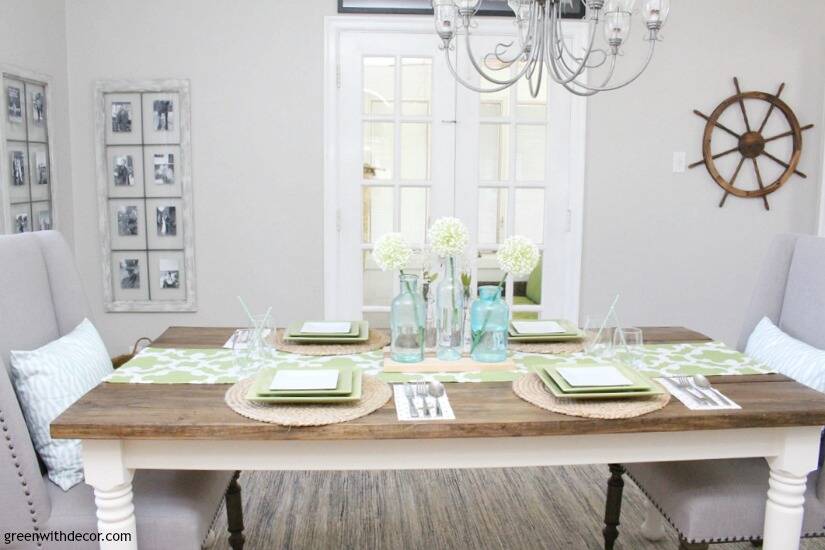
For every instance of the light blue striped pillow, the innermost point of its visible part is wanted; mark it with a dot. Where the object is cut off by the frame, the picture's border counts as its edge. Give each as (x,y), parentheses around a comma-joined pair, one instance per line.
(48,380)
(787,355)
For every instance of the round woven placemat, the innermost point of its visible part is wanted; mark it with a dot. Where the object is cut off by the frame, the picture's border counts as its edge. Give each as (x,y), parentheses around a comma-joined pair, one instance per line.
(530,388)
(546,347)
(378,339)
(375,394)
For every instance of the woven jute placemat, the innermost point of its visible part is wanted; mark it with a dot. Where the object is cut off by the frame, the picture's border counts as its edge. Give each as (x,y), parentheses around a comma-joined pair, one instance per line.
(546,347)
(375,394)
(530,388)
(378,339)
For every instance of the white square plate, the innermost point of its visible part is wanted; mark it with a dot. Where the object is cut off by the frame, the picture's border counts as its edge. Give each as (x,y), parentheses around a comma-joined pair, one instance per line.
(324,327)
(594,376)
(305,379)
(538,327)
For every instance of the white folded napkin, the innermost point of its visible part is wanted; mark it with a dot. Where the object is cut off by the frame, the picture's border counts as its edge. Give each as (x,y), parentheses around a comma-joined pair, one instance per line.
(691,403)
(402,406)
(244,335)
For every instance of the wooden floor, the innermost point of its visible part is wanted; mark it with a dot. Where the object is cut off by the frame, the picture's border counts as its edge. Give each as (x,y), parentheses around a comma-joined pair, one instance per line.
(523,509)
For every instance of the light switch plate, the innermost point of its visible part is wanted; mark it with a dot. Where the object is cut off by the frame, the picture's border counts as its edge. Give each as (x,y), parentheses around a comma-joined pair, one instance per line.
(679,162)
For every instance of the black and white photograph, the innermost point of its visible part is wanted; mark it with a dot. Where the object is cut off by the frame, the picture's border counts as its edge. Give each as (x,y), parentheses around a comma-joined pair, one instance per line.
(121,117)
(167,221)
(38,108)
(21,223)
(163,115)
(13,99)
(123,171)
(127,221)
(18,168)
(169,273)
(44,220)
(41,168)
(130,273)
(164,168)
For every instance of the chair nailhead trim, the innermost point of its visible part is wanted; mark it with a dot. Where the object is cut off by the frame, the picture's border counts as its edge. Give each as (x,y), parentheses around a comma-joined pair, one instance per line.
(32,511)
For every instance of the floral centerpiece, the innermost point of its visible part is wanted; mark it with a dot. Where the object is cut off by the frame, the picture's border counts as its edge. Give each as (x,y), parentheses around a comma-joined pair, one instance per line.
(449,238)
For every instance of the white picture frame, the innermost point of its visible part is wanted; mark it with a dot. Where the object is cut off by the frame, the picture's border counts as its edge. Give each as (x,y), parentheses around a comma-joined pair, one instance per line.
(161,171)
(39,172)
(13,136)
(125,166)
(17,176)
(120,269)
(124,124)
(41,218)
(18,210)
(152,297)
(36,113)
(15,123)
(161,111)
(128,224)
(167,269)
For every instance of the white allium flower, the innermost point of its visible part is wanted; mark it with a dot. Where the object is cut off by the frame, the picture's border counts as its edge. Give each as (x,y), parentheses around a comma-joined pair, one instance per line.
(391,252)
(449,237)
(518,256)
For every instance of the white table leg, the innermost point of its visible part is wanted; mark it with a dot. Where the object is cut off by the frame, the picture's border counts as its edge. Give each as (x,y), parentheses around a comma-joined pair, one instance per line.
(653,527)
(786,489)
(112,483)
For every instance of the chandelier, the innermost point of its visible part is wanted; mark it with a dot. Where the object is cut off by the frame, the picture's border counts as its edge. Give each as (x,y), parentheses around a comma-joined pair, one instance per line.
(541,45)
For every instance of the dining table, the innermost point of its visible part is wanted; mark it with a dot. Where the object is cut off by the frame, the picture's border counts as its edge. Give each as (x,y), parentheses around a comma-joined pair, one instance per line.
(128,427)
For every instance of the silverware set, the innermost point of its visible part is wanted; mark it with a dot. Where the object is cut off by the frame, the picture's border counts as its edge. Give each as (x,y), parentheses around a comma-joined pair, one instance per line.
(418,396)
(700,390)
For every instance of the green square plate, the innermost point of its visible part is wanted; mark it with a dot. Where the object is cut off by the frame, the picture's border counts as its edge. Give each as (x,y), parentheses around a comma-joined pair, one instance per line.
(556,391)
(640,382)
(363,336)
(261,385)
(354,396)
(570,329)
(294,329)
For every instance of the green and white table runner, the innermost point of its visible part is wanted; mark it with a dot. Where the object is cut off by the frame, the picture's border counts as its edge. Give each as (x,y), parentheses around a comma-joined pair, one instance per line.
(220,366)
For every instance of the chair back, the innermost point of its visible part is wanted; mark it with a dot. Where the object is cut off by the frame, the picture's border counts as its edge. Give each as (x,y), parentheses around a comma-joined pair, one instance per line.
(790,290)
(41,299)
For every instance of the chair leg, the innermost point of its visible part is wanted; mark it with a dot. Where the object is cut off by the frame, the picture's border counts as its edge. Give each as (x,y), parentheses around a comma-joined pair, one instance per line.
(234,513)
(613,505)
(685,545)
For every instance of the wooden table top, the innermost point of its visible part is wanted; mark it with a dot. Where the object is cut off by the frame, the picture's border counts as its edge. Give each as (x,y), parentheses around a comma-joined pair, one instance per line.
(195,411)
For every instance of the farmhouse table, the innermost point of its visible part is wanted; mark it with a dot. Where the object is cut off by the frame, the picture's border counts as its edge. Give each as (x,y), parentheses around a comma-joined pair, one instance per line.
(126,427)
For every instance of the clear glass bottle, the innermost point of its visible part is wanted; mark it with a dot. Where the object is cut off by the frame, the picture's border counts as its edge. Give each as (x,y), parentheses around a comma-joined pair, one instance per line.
(407,316)
(449,313)
(489,321)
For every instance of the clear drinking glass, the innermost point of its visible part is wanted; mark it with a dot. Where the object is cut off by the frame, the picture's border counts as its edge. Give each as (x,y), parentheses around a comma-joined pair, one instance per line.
(598,336)
(407,316)
(628,342)
(449,313)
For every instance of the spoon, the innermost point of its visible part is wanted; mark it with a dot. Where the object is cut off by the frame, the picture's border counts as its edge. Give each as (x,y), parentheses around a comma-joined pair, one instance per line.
(704,383)
(436,389)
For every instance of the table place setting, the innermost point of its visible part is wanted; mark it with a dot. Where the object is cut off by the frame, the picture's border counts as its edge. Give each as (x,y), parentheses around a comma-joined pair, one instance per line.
(422,401)
(329,338)
(696,393)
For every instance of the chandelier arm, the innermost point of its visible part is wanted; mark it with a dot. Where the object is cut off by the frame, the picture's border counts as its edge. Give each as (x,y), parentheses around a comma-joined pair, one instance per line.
(471,55)
(587,91)
(553,70)
(466,84)
(628,80)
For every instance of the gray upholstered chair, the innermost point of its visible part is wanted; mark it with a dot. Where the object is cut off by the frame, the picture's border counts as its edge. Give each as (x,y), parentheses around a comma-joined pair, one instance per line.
(41,298)
(724,500)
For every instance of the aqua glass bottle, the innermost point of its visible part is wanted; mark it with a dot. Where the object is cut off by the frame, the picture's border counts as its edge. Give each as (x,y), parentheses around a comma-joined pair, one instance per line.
(489,322)
(449,313)
(407,316)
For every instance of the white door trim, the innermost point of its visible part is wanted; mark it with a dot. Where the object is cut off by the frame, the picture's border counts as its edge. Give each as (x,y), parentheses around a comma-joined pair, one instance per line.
(335,27)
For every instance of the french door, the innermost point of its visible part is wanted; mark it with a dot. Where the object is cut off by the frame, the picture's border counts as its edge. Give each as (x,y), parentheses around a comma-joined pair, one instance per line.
(406,144)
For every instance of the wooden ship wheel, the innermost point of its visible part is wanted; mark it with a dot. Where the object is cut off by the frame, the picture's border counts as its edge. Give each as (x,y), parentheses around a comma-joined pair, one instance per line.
(751,145)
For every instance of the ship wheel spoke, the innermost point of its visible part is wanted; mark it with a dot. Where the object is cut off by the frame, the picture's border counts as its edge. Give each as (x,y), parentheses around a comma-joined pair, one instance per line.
(716,156)
(761,184)
(771,108)
(788,133)
(718,124)
(732,181)
(783,163)
(742,104)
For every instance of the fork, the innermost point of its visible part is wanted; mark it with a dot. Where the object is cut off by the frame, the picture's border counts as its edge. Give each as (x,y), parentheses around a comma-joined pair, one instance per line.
(409,392)
(684,382)
(421,391)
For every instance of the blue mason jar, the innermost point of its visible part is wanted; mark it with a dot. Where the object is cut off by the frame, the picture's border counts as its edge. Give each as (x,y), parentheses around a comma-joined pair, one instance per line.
(489,322)
(449,313)
(407,316)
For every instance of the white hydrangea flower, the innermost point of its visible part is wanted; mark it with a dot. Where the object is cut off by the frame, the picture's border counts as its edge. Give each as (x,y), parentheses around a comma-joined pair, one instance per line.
(391,252)
(449,237)
(518,256)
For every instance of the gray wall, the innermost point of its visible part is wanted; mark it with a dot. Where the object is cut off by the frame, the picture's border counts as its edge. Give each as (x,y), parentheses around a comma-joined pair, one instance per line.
(33,37)
(256,71)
